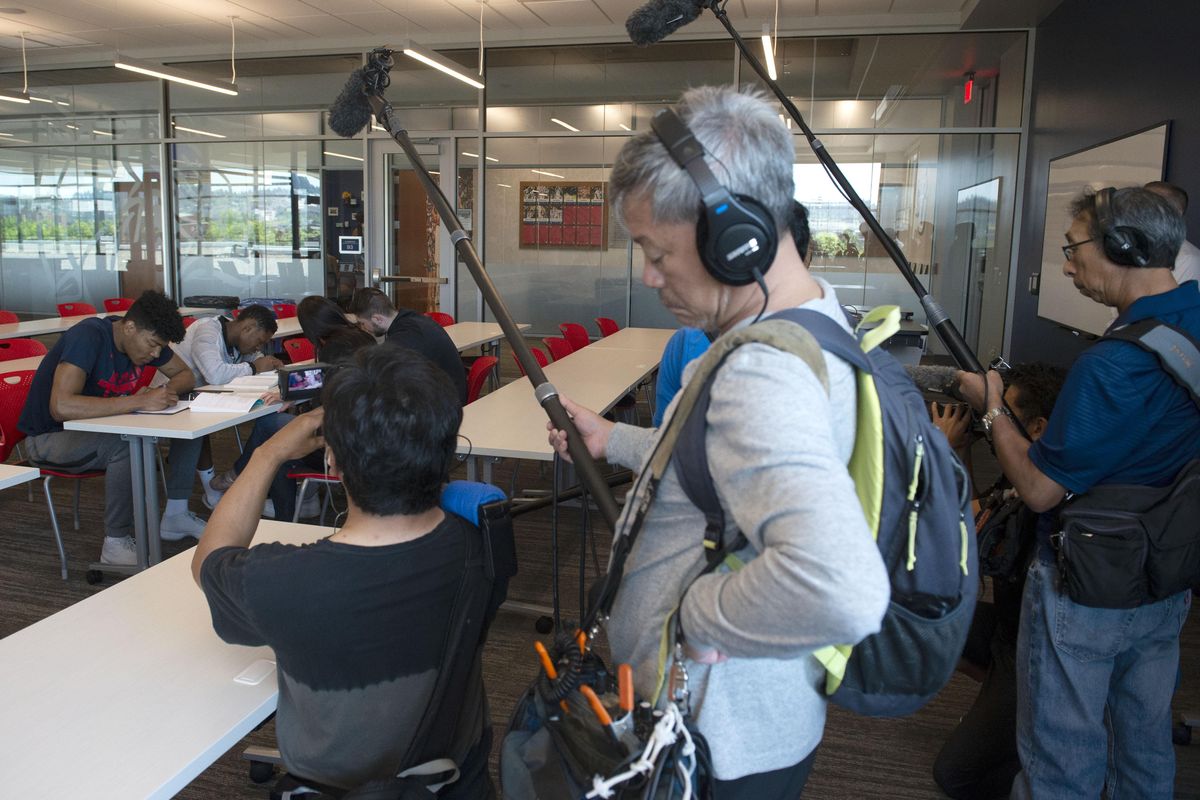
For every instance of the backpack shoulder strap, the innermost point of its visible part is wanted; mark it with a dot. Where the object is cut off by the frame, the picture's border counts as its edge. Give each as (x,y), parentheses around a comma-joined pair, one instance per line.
(691,456)
(1175,349)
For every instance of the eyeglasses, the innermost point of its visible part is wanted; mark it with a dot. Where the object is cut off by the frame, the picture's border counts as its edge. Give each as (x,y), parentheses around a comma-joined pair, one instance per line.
(1069,249)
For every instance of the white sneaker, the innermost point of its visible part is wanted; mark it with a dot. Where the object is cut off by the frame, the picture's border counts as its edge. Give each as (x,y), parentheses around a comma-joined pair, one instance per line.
(269,509)
(119,551)
(210,503)
(180,526)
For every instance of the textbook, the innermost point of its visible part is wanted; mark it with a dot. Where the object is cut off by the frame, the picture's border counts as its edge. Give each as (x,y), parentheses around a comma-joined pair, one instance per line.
(226,402)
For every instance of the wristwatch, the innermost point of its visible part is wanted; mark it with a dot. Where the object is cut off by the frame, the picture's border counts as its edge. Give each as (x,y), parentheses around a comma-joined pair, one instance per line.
(990,417)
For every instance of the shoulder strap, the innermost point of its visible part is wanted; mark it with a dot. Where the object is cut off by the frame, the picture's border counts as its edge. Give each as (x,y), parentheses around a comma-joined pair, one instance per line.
(832,337)
(1176,350)
(691,455)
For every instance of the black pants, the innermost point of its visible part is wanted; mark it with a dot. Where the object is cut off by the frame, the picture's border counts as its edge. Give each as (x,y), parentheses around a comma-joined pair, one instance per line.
(781,784)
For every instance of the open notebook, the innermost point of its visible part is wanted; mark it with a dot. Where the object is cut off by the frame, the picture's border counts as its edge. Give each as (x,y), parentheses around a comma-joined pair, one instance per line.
(227,402)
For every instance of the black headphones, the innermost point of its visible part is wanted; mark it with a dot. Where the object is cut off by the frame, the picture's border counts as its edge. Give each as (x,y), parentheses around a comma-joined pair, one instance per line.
(735,234)
(1122,244)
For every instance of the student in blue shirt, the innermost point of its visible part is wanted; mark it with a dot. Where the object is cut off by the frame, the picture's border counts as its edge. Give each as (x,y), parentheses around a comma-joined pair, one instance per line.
(93,371)
(1121,419)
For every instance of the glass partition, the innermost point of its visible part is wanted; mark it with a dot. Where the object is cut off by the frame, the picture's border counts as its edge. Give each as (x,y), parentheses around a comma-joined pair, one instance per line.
(248,219)
(78,224)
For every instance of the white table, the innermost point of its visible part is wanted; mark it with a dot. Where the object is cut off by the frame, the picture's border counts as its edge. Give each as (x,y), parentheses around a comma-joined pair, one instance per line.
(652,339)
(53,325)
(509,422)
(129,693)
(465,335)
(14,476)
(20,364)
(142,431)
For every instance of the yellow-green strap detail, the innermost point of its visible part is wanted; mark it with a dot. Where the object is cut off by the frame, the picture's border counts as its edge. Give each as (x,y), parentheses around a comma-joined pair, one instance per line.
(962,529)
(665,647)
(888,319)
(912,541)
(834,659)
(866,460)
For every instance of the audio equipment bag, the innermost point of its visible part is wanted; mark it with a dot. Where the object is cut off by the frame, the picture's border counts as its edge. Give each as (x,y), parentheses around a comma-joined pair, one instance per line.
(1007,539)
(915,496)
(1119,546)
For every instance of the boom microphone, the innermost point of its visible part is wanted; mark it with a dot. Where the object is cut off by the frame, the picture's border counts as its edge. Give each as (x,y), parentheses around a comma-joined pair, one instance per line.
(658,19)
(351,111)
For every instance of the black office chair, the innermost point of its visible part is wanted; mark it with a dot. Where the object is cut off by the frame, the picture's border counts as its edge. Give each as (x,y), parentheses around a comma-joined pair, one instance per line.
(458,691)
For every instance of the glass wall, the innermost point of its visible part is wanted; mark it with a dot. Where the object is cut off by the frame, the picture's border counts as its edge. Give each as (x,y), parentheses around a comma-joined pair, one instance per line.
(261,190)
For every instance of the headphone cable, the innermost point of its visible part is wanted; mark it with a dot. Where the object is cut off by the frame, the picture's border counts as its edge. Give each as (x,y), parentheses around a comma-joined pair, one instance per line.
(762,284)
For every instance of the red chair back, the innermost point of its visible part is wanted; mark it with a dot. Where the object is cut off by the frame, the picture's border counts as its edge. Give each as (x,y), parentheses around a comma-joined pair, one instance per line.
(116,304)
(559,347)
(284,310)
(14,388)
(607,326)
(75,309)
(12,349)
(538,356)
(480,370)
(8,317)
(233,313)
(299,349)
(576,334)
(187,322)
(144,379)
(441,318)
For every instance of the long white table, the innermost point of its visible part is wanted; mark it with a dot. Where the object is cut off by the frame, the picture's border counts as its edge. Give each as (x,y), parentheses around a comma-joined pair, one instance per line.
(14,476)
(53,325)
(20,364)
(509,422)
(650,339)
(142,431)
(129,693)
(465,335)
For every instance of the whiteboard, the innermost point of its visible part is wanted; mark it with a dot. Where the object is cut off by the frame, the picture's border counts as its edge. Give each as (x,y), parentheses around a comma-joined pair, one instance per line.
(1133,160)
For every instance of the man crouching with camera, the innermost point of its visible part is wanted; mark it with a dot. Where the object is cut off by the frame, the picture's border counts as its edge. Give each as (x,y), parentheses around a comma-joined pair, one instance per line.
(358,620)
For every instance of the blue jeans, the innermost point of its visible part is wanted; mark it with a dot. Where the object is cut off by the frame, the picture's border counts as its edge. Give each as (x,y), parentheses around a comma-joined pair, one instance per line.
(283,489)
(1094,684)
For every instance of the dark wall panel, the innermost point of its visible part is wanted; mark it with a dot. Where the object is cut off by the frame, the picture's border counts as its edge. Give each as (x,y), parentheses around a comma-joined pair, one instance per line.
(1104,68)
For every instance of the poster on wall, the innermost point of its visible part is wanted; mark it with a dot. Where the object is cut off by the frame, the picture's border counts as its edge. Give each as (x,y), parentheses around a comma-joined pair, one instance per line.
(564,214)
(1132,160)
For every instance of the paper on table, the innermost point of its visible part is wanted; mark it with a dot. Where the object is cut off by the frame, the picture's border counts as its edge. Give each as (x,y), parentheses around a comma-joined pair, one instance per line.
(225,402)
(182,405)
(267,380)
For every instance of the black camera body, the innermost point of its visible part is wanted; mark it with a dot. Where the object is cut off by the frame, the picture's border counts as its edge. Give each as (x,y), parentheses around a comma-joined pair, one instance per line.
(302,381)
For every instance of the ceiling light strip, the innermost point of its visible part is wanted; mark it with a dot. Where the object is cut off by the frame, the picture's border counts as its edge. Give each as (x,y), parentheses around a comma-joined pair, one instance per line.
(432,59)
(170,74)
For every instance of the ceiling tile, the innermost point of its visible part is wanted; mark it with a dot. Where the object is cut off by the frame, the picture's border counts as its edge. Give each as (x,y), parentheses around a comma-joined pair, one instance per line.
(567,13)
(926,6)
(844,8)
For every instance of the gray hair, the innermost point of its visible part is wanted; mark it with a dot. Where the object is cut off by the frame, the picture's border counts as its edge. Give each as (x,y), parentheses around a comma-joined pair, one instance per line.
(749,150)
(1151,214)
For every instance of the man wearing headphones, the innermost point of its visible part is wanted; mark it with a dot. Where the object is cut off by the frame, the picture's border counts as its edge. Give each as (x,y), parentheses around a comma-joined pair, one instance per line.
(707,194)
(1083,671)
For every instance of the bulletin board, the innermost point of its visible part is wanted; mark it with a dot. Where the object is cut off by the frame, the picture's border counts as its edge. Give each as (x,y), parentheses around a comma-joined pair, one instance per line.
(564,214)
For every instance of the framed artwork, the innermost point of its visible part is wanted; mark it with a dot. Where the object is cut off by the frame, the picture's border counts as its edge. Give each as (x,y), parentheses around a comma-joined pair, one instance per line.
(564,214)
(1131,160)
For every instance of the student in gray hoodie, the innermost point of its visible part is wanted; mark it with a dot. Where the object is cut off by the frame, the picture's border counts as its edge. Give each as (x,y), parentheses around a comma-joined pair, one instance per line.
(777,443)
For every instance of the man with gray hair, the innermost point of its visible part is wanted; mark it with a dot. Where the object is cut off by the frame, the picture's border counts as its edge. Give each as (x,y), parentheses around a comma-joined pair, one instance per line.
(777,442)
(1084,672)
(1187,263)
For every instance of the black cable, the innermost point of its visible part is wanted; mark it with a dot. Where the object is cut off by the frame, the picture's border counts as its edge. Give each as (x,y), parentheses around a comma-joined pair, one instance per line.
(554,545)
(762,284)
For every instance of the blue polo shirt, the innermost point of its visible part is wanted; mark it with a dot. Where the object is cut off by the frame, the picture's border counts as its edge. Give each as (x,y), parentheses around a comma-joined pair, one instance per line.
(1120,417)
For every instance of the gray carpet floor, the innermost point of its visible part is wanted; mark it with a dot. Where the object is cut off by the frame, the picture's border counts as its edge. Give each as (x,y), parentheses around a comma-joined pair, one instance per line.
(859,757)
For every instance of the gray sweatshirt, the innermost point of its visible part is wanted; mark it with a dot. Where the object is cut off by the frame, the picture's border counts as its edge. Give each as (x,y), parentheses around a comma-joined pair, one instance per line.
(204,350)
(778,446)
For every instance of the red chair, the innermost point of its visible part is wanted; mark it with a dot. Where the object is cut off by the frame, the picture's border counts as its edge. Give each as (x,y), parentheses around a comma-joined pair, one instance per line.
(114,304)
(75,309)
(187,322)
(607,326)
(299,349)
(576,334)
(145,377)
(441,318)
(559,347)
(480,370)
(284,310)
(14,389)
(12,349)
(8,318)
(305,479)
(538,356)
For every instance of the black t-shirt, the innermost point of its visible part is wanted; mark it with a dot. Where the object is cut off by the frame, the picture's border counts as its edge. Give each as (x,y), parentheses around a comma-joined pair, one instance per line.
(358,634)
(89,345)
(420,333)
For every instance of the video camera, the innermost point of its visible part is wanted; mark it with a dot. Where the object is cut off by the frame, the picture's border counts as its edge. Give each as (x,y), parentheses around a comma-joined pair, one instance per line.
(302,381)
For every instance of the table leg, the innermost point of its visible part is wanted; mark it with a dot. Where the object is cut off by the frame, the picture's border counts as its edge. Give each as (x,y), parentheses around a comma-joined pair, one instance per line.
(138,486)
(150,478)
(471,468)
